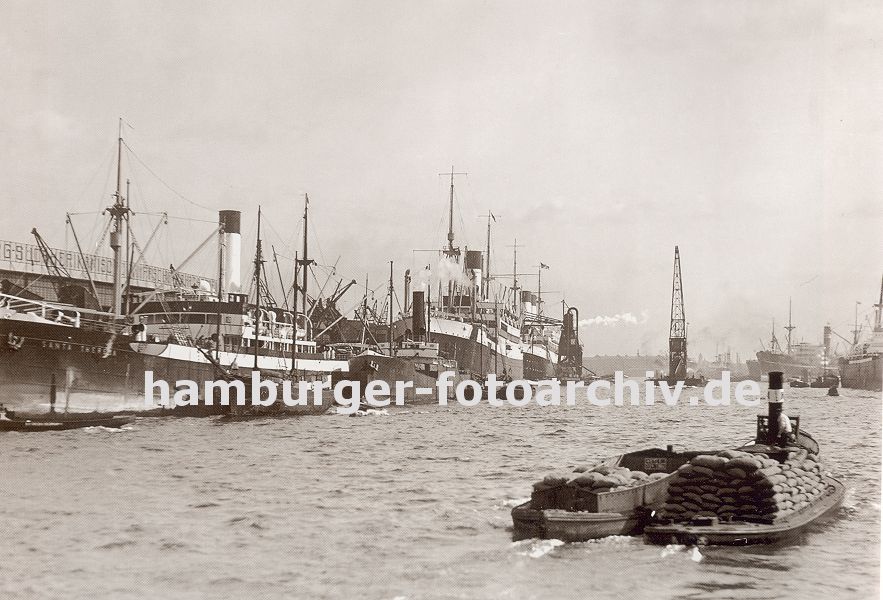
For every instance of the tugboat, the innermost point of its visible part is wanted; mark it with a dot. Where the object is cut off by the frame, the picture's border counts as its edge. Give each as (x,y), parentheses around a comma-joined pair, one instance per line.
(826,381)
(764,493)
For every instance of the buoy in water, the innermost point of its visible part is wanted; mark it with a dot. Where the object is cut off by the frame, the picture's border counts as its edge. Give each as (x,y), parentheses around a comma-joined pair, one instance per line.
(832,391)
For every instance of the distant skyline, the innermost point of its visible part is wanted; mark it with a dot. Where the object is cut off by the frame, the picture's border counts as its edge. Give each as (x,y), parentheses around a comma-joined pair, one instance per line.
(603,134)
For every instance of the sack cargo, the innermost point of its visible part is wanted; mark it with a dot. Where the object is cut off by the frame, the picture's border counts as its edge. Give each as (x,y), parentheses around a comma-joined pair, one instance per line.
(746,487)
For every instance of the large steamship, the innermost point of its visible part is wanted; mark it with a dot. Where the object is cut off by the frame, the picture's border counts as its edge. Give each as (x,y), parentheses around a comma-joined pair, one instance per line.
(483,326)
(862,368)
(70,345)
(798,360)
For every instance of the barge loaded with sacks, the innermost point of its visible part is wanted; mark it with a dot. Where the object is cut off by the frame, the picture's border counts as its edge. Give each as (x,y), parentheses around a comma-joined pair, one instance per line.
(766,492)
(616,497)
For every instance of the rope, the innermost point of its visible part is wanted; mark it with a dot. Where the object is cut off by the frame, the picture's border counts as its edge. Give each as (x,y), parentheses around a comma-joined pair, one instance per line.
(162,181)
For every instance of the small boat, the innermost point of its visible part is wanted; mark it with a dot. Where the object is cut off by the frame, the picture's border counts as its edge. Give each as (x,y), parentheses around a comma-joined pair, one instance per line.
(825,381)
(416,362)
(713,531)
(278,410)
(797,383)
(52,423)
(567,513)
(687,382)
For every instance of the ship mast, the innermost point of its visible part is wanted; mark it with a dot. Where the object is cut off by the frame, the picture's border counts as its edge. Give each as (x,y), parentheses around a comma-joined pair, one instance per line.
(294,323)
(516,301)
(451,216)
(258,261)
(879,309)
(540,289)
(677,339)
(305,262)
(130,252)
(428,310)
(221,249)
(515,271)
(451,250)
(856,330)
(365,310)
(118,211)
(487,270)
(496,336)
(389,326)
(789,329)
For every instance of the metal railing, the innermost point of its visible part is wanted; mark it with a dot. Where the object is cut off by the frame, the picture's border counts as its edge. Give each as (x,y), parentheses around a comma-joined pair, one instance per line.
(68,316)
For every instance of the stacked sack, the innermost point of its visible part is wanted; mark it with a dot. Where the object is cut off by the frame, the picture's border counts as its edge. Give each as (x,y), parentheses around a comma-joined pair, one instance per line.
(605,478)
(739,485)
(602,478)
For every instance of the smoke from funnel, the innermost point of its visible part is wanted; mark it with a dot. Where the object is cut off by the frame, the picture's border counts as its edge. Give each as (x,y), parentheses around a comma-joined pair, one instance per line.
(626,318)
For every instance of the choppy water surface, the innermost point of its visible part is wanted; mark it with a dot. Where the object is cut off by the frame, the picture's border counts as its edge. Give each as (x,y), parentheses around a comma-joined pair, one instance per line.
(413,504)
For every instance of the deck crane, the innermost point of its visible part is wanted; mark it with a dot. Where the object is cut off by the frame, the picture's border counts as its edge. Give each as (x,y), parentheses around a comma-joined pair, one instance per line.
(53,265)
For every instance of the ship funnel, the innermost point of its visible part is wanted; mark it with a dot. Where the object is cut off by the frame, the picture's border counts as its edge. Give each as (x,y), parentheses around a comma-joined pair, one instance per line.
(230,253)
(418,312)
(474,260)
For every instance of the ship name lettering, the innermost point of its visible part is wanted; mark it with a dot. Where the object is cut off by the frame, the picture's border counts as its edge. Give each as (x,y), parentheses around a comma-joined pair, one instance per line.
(56,345)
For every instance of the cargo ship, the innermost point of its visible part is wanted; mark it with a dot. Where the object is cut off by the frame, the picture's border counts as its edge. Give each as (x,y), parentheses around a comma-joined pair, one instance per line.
(484,326)
(82,342)
(799,360)
(862,368)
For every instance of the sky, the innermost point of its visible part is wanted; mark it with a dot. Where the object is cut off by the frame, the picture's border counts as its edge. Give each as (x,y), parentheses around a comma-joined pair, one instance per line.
(602,133)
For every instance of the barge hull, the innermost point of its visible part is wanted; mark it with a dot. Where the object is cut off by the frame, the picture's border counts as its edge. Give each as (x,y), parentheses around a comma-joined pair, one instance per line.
(743,533)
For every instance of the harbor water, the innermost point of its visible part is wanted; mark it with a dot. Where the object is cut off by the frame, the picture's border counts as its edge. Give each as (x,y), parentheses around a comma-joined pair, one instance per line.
(405,505)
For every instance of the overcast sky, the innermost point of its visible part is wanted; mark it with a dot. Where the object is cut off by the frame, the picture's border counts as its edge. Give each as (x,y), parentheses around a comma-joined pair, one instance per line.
(602,133)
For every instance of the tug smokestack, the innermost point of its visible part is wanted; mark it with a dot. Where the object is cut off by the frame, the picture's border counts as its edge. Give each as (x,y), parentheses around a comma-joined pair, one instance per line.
(774,406)
(230,253)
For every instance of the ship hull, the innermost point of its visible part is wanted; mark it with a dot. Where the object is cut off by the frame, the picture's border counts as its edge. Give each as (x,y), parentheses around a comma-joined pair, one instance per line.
(772,361)
(478,359)
(52,368)
(864,373)
(365,368)
(539,363)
